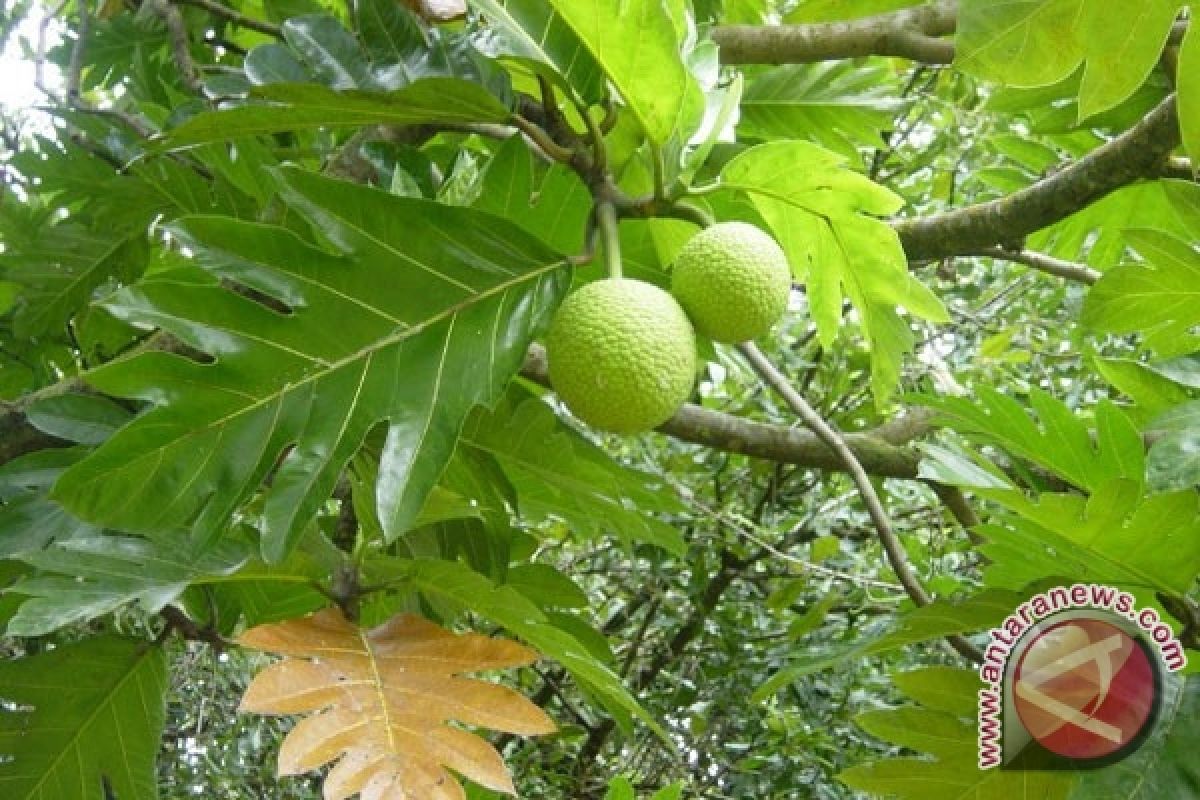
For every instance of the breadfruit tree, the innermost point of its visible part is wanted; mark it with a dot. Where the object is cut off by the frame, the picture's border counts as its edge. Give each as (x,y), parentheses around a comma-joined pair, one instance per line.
(583,398)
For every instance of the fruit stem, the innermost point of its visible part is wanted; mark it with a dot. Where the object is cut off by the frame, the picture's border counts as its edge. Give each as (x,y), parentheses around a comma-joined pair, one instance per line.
(606,221)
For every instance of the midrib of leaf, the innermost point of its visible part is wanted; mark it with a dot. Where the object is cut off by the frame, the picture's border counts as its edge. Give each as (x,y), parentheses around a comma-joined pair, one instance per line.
(377,681)
(104,705)
(364,352)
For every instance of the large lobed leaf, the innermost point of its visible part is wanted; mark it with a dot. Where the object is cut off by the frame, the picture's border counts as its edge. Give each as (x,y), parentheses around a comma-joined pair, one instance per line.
(1057,439)
(943,726)
(381,699)
(1115,537)
(424,313)
(80,717)
(826,219)
(1040,42)
(1159,298)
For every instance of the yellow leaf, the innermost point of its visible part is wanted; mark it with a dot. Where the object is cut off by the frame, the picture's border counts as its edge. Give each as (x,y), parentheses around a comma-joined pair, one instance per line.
(380,700)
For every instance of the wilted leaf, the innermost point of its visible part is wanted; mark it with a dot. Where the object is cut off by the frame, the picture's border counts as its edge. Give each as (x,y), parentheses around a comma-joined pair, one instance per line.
(382,698)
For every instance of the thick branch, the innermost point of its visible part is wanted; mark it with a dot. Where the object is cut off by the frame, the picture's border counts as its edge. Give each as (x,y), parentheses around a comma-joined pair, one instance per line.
(879,451)
(1136,153)
(911,34)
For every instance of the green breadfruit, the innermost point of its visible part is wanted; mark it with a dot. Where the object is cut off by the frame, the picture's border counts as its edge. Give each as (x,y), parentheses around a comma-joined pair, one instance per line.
(622,355)
(733,281)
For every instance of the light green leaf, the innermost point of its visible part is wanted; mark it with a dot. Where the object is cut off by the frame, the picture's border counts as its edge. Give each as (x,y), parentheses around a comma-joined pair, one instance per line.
(533,33)
(1057,439)
(79,712)
(558,475)
(943,727)
(1096,234)
(300,106)
(1115,537)
(425,313)
(637,44)
(1122,43)
(1189,91)
(1020,42)
(826,219)
(84,578)
(841,106)
(1030,43)
(1160,298)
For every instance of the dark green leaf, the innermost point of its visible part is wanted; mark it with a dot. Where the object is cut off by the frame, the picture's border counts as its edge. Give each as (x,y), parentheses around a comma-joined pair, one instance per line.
(85,710)
(426,313)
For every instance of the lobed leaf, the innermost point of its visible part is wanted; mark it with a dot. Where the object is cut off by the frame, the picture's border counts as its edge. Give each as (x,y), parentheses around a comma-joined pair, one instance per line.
(425,313)
(380,701)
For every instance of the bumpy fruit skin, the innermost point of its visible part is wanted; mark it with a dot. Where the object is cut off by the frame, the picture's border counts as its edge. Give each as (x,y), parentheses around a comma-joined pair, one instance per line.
(622,355)
(733,281)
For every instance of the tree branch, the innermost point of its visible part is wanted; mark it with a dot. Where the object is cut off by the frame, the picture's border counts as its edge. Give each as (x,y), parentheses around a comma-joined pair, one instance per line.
(237,18)
(912,34)
(1072,271)
(832,439)
(181,47)
(879,451)
(1136,153)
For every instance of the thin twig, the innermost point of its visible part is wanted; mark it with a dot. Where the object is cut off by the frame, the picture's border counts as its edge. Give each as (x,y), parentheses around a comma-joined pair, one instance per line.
(1072,271)
(892,547)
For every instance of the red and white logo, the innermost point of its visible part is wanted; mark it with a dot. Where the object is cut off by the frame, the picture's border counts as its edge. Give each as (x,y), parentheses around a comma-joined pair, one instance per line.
(1084,689)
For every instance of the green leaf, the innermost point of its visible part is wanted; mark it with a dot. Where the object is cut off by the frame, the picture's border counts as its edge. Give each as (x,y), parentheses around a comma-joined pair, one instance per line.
(559,475)
(331,52)
(300,106)
(842,10)
(1031,43)
(62,268)
(1174,460)
(1057,439)
(637,44)
(1165,764)
(940,618)
(534,34)
(555,210)
(1096,234)
(947,689)
(87,577)
(1152,392)
(841,106)
(1115,537)
(1159,299)
(943,727)
(81,714)
(274,63)
(425,313)
(82,418)
(509,609)
(825,217)
(1189,92)
(29,521)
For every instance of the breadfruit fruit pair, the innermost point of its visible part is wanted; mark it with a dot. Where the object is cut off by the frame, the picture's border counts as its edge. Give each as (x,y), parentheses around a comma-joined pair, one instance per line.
(622,352)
